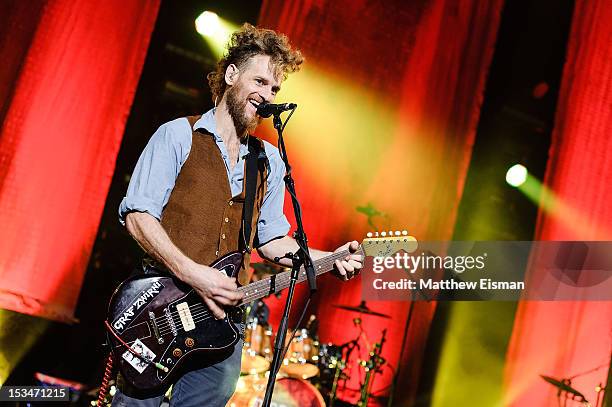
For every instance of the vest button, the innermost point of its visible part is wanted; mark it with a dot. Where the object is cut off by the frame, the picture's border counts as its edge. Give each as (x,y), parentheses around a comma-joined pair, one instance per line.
(223,236)
(226,220)
(231,203)
(217,253)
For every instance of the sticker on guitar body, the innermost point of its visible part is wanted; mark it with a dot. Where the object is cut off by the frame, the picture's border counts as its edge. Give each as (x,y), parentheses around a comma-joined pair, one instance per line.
(137,363)
(143,299)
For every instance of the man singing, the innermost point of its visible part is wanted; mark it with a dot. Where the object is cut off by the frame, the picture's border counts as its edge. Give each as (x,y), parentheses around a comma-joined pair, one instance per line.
(185,198)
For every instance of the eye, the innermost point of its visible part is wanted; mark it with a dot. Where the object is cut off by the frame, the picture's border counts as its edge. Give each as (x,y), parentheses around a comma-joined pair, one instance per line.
(259,81)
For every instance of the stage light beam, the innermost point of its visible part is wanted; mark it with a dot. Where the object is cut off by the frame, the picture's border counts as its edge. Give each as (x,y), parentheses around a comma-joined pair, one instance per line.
(579,224)
(516,175)
(215,30)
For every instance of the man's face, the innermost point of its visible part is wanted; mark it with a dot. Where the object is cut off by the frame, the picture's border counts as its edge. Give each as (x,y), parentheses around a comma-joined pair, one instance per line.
(256,83)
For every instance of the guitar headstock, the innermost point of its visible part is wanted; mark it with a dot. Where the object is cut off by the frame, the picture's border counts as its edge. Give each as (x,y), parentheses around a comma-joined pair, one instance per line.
(380,244)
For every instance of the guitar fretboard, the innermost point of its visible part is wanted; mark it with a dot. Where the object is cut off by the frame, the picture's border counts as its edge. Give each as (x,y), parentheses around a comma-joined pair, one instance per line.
(280,281)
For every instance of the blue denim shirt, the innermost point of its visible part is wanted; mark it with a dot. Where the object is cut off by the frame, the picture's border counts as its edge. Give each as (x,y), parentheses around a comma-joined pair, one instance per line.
(162,159)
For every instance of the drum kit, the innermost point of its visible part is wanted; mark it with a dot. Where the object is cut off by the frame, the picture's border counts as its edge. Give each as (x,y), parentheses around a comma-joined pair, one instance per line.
(311,372)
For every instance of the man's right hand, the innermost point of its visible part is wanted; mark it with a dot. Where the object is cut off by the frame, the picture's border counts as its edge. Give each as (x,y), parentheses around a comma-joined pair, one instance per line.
(215,288)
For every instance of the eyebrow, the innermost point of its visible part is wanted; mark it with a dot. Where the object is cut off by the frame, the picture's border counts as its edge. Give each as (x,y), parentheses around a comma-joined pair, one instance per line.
(275,88)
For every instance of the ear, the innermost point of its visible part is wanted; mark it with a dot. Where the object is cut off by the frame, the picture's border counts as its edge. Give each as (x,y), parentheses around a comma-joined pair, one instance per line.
(231,74)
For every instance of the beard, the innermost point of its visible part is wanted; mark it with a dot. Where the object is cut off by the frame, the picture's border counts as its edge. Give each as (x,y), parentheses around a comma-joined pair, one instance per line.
(236,109)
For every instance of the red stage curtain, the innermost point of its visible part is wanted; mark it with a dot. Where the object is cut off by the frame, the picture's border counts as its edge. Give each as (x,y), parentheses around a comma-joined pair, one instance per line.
(406,79)
(562,339)
(67,84)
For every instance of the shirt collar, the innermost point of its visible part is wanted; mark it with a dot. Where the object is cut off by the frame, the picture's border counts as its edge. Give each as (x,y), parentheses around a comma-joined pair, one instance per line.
(207,121)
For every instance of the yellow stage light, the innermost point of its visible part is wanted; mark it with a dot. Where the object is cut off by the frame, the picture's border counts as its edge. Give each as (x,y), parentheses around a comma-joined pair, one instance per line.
(215,30)
(516,175)
(18,334)
(208,24)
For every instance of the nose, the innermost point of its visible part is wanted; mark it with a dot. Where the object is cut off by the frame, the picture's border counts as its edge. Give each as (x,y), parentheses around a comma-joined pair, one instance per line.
(267,95)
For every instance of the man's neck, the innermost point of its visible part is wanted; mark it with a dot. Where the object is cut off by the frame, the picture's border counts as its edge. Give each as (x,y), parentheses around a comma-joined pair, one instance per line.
(225,125)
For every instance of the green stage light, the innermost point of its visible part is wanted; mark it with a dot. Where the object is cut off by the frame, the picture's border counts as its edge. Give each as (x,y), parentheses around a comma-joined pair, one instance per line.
(516,175)
(208,24)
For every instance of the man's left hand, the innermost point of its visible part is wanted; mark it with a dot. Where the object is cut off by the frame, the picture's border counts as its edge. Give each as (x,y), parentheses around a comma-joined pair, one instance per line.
(351,265)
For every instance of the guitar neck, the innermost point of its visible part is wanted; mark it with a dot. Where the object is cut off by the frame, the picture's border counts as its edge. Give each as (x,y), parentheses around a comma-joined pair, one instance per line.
(280,281)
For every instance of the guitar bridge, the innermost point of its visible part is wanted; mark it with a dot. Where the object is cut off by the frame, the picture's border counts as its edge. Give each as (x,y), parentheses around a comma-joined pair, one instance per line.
(160,340)
(170,320)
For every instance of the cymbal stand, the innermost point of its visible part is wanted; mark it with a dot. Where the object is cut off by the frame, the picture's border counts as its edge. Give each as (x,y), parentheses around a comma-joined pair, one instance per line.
(340,365)
(347,349)
(372,366)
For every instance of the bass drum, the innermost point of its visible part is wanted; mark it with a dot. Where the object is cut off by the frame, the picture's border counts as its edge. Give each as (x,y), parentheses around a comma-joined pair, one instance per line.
(288,392)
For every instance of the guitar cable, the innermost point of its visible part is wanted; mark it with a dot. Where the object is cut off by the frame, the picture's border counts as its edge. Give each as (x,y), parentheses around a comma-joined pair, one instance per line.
(108,371)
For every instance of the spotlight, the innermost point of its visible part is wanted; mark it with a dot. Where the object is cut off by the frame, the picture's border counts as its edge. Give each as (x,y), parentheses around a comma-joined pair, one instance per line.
(516,175)
(208,24)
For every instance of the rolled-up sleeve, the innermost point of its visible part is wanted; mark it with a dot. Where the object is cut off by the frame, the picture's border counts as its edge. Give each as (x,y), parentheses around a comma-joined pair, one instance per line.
(157,169)
(272,221)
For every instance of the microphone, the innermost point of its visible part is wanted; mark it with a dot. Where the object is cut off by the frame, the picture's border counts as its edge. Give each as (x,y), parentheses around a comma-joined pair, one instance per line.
(268,109)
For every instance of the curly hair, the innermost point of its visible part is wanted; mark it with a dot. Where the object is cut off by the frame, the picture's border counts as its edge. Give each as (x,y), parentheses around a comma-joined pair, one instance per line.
(248,42)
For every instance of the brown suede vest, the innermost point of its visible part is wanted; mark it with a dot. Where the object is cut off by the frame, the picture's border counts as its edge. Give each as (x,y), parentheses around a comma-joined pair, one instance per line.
(201,217)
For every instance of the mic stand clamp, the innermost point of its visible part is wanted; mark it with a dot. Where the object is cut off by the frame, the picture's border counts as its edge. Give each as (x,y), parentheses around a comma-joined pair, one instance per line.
(300,258)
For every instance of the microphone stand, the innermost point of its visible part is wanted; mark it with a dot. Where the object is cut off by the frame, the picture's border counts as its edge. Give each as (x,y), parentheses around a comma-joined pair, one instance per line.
(299,258)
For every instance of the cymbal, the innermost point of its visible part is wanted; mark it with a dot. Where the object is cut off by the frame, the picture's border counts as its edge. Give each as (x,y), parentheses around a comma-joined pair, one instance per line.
(362,308)
(563,386)
(266,268)
(252,364)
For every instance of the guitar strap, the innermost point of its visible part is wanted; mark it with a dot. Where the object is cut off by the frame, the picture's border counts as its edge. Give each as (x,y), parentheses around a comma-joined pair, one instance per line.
(255,162)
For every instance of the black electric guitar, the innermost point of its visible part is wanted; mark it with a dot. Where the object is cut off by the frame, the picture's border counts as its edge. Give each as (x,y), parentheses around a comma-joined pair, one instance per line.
(156,322)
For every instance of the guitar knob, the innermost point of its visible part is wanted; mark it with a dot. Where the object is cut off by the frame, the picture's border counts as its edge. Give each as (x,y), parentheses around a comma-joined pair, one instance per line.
(189,342)
(177,353)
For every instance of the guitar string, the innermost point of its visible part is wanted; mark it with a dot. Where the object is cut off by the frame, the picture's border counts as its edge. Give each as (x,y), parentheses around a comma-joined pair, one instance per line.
(199,317)
(195,310)
(281,281)
(165,328)
(263,286)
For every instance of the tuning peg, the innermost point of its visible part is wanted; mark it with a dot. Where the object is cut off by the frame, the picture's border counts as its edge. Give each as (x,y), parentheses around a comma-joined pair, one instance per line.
(404,233)
(369,234)
(383,234)
(397,233)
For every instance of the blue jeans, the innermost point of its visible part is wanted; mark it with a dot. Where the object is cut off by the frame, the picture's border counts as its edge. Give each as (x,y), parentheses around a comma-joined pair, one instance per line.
(209,386)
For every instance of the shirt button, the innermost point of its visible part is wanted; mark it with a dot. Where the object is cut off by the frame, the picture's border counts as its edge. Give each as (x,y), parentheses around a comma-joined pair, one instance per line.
(226,220)
(223,236)
(231,203)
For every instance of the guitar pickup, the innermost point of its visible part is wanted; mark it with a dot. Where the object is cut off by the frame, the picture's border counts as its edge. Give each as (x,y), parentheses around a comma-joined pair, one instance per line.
(185,315)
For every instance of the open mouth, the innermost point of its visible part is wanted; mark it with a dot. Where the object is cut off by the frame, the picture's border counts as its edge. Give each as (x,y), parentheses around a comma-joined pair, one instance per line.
(254,103)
